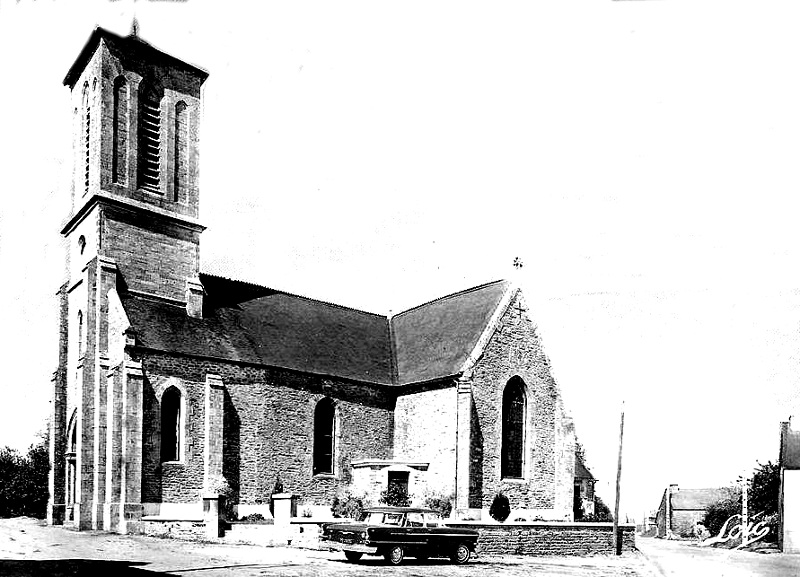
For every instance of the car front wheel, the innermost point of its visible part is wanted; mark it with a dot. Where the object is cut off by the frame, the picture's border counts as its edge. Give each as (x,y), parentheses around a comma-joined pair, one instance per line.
(394,555)
(460,555)
(353,555)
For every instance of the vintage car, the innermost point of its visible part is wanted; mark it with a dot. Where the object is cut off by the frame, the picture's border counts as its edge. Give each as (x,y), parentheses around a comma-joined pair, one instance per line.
(395,532)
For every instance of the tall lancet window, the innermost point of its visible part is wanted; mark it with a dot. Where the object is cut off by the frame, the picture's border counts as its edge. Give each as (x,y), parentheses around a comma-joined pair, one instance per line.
(171,425)
(80,334)
(87,129)
(181,141)
(149,138)
(119,160)
(513,429)
(324,436)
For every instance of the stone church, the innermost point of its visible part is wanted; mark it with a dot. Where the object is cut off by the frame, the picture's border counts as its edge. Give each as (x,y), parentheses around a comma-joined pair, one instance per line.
(172,383)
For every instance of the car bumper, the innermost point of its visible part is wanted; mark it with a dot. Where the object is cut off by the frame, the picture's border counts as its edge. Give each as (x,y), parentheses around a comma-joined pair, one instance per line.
(357,547)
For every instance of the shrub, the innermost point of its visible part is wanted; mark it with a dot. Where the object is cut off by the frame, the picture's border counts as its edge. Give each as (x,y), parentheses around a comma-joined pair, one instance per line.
(395,495)
(719,511)
(254,518)
(347,506)
(440,503)
(501,508)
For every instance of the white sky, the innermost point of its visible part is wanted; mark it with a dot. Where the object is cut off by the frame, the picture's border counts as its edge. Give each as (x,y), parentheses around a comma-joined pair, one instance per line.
(639,157)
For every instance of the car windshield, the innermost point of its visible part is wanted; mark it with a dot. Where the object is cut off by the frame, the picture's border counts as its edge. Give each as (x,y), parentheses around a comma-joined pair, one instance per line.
(381,518)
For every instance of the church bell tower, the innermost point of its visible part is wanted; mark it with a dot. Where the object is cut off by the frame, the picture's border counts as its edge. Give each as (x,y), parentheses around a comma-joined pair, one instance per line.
(133,229)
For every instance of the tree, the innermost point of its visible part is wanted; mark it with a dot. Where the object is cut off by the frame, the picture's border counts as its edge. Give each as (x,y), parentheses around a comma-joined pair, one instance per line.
(765,488)
(763,496)
(23,480)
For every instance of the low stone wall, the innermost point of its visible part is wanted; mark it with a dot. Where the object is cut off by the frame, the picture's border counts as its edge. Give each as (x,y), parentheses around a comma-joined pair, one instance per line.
(191,530)
(537,538)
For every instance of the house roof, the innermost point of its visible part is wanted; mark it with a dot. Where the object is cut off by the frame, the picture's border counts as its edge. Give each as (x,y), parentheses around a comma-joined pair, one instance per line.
(126,48)
(248,323)
(790,448)
(696,499)
(581,472)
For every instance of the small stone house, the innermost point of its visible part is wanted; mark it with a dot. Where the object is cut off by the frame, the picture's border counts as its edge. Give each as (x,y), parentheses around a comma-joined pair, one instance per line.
(173,383)
(583,496)
(681,510)
(789,503)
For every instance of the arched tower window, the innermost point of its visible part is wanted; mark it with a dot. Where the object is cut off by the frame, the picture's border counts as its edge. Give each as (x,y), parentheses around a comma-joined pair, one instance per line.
(119,160)
(324,423)
(171,425)
(513,429)
(181,141)
(149,138)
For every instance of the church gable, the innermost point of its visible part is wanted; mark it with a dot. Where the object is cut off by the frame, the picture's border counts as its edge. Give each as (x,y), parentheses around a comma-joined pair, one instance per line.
(526,436)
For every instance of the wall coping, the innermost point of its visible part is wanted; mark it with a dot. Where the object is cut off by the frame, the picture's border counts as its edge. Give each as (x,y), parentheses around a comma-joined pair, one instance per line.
(564,524)
(389,463)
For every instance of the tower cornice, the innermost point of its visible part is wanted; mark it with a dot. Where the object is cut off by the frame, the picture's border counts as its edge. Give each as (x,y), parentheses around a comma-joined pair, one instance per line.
(108,199)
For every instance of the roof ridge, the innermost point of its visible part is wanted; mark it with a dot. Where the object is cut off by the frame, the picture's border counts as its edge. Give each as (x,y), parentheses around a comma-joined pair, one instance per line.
(455,294)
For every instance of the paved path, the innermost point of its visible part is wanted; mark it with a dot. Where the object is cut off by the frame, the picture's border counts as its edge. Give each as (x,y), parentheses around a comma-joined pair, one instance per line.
(686,559)
(28,548)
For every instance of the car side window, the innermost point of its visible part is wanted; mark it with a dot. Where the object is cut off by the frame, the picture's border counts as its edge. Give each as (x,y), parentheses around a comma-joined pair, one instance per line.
(414,520)
(394,519)
(432,520)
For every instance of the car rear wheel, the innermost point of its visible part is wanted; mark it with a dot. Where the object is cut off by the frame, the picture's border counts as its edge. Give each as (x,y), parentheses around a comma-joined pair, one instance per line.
(394,555)
(461,554)
(353,555)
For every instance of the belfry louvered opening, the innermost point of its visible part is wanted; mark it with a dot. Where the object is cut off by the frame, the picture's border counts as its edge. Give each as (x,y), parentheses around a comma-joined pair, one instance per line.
(149,140)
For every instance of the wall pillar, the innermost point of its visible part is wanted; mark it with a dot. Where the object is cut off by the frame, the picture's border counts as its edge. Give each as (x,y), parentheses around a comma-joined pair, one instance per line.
(56,506)
(111,508)
(214,417)
(130,515)
(463,444)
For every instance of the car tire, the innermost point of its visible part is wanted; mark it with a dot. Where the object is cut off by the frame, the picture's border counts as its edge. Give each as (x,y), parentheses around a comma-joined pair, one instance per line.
(461,554)
(353,556)
(394,556)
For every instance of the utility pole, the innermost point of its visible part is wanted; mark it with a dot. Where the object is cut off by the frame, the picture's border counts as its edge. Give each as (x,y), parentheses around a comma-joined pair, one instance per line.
(617,544)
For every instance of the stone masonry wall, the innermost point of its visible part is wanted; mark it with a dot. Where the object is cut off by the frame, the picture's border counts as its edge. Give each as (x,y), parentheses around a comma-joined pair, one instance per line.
(154,257)
(515,350)
(267,430)
(425,431)
(549,539)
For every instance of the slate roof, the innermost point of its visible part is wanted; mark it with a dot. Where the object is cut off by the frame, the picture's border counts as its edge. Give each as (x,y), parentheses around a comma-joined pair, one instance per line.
(581,472)
(434,339)
(248,323)
(790,449)
(126,48)
(696,499)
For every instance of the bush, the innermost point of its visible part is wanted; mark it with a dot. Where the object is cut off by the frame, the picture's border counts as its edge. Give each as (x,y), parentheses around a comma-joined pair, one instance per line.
(720,511)
(500,509)
(254,518)
(395,495)
(348,506)
(440,503)
(24,481)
